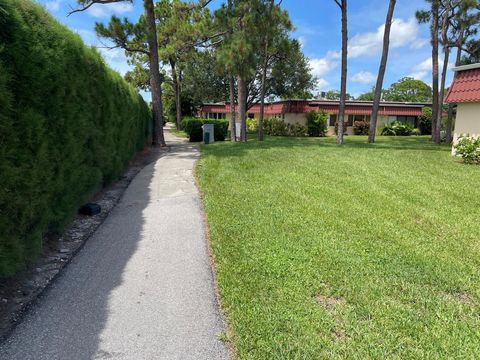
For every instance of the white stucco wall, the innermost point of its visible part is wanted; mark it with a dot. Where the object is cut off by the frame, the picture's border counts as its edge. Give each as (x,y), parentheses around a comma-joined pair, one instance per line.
(467,121)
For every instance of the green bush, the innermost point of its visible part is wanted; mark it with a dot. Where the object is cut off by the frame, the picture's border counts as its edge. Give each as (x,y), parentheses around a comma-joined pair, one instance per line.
(278,127)
(252,125)
(397,129)
(317,123)
(275,127)
(425,121)
(416,132)
(361,127)
(193,127)
(68,124)
(469,149)
(297,130)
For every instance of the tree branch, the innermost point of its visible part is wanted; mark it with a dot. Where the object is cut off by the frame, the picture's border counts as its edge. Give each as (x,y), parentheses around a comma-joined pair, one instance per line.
(86,4)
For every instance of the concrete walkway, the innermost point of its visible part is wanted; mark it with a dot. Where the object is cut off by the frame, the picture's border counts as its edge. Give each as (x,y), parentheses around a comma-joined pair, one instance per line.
(142,287)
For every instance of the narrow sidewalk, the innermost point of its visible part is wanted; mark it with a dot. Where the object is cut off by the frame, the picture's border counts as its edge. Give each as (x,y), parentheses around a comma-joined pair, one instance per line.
(142,287)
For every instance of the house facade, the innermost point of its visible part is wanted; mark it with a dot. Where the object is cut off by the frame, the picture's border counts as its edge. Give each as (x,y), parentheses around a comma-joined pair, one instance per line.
(295,111)
(465,92)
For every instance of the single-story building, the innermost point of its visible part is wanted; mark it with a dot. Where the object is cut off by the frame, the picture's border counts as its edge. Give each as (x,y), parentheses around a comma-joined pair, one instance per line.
(465,92)
(294,111)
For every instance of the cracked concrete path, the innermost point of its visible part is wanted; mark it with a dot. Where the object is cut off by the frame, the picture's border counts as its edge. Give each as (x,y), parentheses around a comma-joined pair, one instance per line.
(142,287)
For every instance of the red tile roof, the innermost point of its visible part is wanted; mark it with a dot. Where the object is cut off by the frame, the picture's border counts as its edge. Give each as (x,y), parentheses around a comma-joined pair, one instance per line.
(465,86)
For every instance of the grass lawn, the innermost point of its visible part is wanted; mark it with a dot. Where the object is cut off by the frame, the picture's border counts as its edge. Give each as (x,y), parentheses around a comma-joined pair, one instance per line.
(356,251)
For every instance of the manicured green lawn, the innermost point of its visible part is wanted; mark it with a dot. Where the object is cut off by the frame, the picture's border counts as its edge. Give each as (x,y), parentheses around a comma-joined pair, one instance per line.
(350,252)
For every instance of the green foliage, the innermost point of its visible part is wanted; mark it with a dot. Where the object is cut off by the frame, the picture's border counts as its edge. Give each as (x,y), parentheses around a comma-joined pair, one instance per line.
(425,121)
(397,129)
(68,124)
(408,90)
(278,127)
(193,127)
(317,123)
(335,95)
(368,96)
(275,127)
(252,125)
(361,127)
(416,132)
(469,149)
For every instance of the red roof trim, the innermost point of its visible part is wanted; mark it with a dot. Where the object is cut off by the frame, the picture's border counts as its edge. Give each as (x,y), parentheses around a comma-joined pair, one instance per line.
(331,107)
(465,87)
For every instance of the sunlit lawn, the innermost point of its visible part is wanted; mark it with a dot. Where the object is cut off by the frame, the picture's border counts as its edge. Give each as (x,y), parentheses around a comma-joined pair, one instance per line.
(356,251)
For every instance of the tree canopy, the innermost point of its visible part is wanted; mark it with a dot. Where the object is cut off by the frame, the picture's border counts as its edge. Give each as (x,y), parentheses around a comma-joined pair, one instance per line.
(408,89)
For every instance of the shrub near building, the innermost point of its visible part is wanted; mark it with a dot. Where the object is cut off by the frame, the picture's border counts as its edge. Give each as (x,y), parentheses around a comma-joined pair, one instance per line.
(68,124)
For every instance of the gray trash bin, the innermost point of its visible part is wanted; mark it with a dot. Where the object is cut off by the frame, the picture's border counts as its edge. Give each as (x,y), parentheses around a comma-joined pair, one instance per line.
(208,129)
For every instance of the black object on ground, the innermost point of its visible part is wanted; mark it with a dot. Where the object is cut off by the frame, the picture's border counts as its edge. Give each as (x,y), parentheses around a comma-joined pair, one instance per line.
(90,209)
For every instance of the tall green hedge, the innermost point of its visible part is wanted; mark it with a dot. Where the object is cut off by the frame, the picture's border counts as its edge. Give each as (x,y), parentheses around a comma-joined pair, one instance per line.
(68,124)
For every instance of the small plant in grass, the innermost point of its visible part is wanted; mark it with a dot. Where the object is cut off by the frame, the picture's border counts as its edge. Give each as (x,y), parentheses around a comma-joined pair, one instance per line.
(397,129)
(317,123)
(468,148)
(361,127)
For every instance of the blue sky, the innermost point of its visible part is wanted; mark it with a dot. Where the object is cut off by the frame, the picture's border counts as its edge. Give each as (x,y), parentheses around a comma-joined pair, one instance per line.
(318,29)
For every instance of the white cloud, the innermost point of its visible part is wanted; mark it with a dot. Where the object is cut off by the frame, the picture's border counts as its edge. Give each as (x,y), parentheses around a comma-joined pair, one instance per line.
(302,41)
(106,10)
(402,33)
(53,5)
(321,85)
(421,70)
(322,66)
(364,77)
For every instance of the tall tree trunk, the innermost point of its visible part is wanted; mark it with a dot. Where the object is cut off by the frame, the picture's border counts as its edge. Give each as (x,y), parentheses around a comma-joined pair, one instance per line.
(446,57)
(262,94)
(381,73)
(343,80)
(442,91)
(449,137)
(177,91)
(242,107)
(155,77)
(435,100)
(233,134)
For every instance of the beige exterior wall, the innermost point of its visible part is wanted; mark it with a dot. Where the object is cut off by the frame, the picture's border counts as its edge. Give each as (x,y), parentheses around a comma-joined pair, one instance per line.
(291,118)
(467,121)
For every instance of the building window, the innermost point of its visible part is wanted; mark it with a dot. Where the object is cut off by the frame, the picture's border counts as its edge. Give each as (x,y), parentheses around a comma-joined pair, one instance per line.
(407,120)
(333,120)
(350,120)
(251,115)
(215,116)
